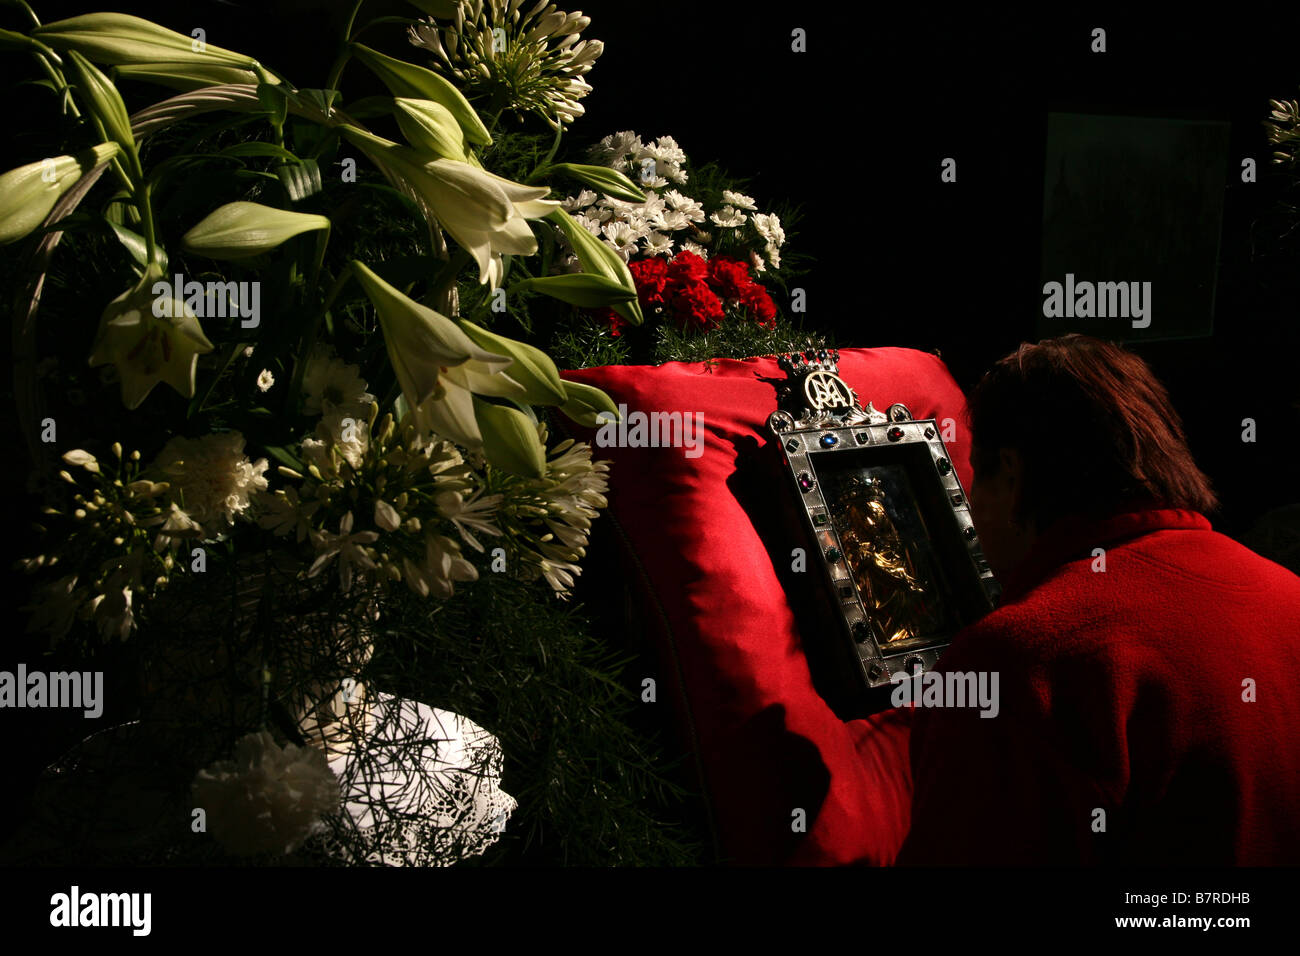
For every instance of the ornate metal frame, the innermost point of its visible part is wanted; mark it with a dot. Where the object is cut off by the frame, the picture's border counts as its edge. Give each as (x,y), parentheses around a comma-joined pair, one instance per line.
(820,421)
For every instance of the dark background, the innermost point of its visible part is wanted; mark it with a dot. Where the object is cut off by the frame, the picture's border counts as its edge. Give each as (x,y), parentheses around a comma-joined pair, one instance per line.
(855,130)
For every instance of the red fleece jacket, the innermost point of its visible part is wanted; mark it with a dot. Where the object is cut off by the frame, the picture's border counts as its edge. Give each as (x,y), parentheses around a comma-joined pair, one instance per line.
(1160,698)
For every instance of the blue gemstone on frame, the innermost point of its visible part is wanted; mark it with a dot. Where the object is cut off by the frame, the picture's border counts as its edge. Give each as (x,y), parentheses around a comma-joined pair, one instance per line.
(829,441)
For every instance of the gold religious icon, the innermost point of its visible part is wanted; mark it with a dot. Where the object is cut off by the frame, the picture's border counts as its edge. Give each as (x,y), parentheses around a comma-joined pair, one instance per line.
(883,566)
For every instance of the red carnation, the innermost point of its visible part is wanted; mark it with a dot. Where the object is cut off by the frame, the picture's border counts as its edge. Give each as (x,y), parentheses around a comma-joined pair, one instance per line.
(729,277)
(650,276)
(760,305)
(695,304)
(687,267)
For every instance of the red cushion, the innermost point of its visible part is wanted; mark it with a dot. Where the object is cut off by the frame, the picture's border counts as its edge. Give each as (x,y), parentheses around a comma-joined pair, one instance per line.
(767,744)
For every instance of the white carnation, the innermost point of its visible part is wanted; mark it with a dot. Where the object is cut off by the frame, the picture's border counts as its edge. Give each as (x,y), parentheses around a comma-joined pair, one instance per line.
(211,477)
(268,799)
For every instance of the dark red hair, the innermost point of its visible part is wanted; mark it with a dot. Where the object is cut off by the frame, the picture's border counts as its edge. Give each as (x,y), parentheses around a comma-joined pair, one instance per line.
(1094,427)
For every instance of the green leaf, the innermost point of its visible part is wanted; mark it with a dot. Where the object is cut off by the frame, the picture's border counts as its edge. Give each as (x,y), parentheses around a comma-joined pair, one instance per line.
(133,242)
(322,100)
(602,178)
(301,179)
(275,102)
(284,457)
(583,289)
(240,150)
(185,75)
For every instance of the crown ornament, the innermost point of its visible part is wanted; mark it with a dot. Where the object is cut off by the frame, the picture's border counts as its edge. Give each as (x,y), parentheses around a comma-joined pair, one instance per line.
(815,396)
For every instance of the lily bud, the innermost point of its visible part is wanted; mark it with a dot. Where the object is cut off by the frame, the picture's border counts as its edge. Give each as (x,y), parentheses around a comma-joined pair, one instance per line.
(187,76)
(510,439)
(532,368)
(431,128)
(598,259)
(118,38)
(602,178)
(410,81)
(588,406)
(28,193)
(240,230)
(105,102)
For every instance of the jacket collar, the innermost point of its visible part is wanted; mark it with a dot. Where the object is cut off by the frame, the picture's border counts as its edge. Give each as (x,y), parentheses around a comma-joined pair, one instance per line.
(1074,537)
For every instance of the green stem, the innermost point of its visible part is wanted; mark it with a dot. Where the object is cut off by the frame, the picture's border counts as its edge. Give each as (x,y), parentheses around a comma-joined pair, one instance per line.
(336,70)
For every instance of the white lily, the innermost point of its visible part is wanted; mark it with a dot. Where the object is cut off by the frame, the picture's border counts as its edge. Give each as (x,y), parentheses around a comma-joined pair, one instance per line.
(438,367)
(483,212)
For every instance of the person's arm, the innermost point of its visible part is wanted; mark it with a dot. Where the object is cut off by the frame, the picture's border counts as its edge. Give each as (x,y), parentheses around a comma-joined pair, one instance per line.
(1002,789)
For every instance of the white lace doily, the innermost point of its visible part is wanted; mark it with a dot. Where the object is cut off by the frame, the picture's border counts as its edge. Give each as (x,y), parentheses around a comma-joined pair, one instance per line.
(422,789)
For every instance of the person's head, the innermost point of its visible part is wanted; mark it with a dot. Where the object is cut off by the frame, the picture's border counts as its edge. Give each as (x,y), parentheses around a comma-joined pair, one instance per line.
(1073,426)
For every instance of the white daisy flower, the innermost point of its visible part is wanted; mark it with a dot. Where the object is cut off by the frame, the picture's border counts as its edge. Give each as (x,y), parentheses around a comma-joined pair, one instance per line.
(580,201)
(657,244)
(728,218)
(265,380)
(670,220)
(330,383)
(696,248)
(739,200)
(622,237)
(756,261)
(769,227)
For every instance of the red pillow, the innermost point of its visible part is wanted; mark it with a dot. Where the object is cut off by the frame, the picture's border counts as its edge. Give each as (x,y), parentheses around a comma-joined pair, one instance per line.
(766,743)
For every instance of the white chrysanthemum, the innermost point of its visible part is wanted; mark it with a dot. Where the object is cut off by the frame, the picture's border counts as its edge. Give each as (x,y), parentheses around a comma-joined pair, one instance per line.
(265,380)
(329,383)
(210,477)
(691,209)
(622,237)
(696,248)
(773,255)
(670,220)
(728,218)
(739,200)
(769,227)
(615,147)
(756,261)
(268,799)
(592,225)
(581,201)
(657,244)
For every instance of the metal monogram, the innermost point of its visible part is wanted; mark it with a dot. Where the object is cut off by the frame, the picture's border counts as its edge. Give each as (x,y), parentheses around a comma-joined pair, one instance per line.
(827,390)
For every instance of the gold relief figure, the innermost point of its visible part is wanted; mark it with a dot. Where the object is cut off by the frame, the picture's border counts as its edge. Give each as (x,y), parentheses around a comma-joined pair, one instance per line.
(881,563)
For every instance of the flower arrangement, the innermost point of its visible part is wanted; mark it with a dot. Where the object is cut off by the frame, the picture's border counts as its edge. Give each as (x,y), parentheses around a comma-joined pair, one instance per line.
(305,394)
